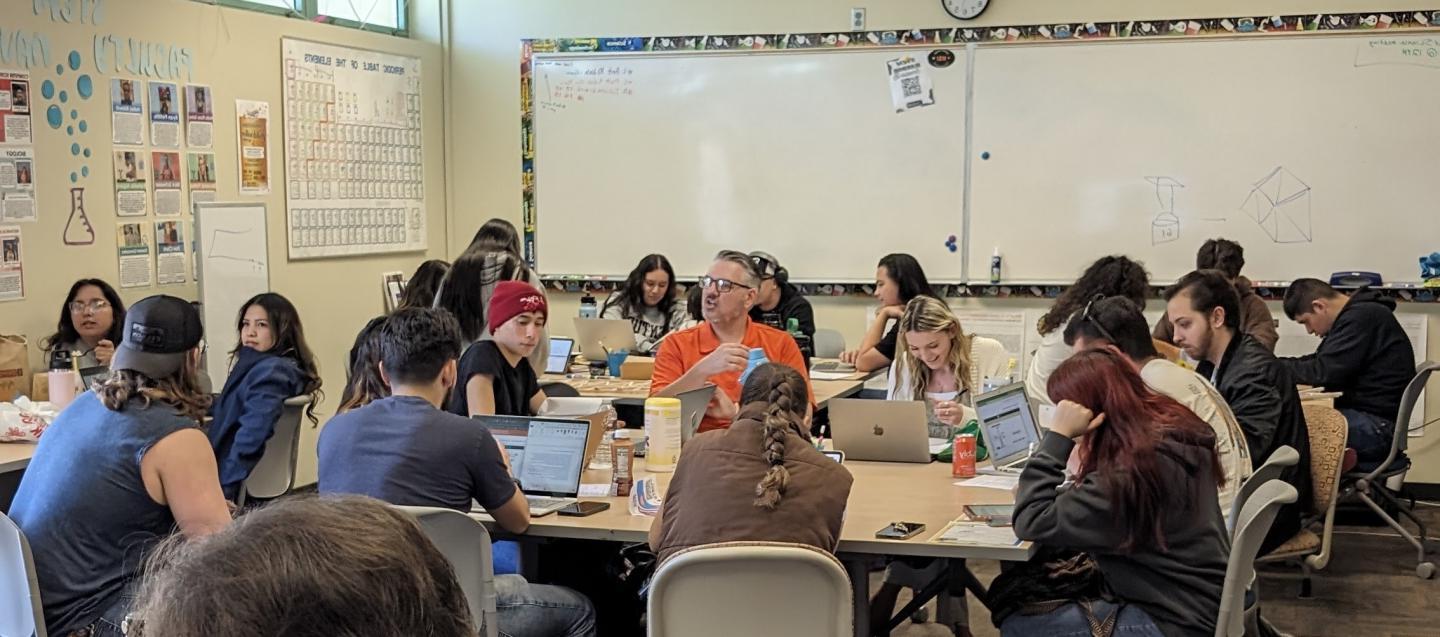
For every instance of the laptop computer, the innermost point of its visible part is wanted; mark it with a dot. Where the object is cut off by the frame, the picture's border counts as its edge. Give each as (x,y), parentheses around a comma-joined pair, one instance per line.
(1008,426)
(598,335)
(558,360)
(883,430)
(547,457)
(692,410)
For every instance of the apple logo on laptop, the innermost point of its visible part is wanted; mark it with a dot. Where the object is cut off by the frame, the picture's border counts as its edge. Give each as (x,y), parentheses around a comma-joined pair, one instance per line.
(878,430)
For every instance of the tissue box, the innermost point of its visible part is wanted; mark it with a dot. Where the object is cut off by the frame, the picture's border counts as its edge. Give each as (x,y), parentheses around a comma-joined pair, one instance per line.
(637,368)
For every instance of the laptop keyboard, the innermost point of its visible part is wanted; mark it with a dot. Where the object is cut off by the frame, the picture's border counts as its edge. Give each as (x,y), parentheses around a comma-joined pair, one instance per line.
(543,502)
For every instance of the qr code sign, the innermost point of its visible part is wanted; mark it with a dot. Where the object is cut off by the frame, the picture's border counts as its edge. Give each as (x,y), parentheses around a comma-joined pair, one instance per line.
(910,86)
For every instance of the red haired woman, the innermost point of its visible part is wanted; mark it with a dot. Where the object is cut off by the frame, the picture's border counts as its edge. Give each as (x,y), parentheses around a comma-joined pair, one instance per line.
(1143,503)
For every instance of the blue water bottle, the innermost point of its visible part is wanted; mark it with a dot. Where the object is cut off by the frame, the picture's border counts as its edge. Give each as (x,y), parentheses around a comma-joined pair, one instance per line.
(757,358)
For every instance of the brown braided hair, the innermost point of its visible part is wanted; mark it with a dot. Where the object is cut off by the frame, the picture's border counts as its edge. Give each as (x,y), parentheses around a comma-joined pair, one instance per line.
(784,393)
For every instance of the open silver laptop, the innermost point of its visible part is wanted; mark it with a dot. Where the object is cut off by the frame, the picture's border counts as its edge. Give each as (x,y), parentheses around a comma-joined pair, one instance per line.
(598,335)
(883,430)
(547,456)
(693,404)
(1009,427)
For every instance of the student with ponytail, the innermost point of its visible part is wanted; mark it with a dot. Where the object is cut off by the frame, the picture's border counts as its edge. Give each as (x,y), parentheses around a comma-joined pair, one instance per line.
(760,480)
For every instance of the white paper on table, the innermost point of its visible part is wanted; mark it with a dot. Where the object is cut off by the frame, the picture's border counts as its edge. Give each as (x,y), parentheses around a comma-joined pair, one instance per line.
(1006,482)
(937,445)
(594,490)
(814,375)
(973,533)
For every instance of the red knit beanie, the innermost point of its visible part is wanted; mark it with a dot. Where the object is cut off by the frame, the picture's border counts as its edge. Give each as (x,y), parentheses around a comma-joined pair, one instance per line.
(512,298)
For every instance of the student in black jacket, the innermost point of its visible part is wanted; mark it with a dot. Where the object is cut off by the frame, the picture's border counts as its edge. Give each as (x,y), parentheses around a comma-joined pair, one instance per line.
(1143,502)
(778,301)
(1365,355)
(1204,308)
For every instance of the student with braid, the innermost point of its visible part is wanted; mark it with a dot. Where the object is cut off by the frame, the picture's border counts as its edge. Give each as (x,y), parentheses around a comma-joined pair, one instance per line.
(759,480)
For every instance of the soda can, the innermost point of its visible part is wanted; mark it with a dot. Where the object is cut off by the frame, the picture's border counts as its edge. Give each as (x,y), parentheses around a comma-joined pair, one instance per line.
(963,456)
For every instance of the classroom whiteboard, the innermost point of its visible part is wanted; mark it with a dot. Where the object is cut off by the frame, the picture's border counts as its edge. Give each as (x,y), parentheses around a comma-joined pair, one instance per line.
(1317,153)
(233,265)
(797,153)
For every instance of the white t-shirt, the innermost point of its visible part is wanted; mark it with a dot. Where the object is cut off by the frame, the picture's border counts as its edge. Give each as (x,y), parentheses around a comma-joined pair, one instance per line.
(1193,391)
(1048,356)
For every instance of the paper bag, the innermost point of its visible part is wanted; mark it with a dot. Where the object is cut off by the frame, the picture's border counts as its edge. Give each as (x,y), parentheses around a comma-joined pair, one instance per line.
(14,367)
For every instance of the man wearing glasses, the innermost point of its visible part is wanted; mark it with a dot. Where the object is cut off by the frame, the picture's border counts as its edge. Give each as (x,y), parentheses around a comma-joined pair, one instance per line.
(717,350)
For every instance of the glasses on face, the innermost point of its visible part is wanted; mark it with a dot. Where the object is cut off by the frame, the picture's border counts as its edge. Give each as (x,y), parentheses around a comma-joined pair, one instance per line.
(1085,316)
(79,307)
(723,285)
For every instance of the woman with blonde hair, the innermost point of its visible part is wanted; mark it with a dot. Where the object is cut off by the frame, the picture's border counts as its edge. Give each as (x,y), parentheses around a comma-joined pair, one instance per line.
(936,362)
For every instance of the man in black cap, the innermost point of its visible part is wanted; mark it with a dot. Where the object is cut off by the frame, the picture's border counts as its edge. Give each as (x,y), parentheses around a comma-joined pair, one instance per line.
(127,458)
(778,301)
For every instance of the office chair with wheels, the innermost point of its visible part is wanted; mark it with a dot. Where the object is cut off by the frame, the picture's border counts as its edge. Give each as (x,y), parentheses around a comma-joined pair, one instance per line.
(1251,527)
(1281,459)
(20,609)
(1328,432)
(464,541)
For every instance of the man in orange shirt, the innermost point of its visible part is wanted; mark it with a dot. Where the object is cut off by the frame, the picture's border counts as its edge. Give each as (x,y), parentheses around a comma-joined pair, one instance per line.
(717,350)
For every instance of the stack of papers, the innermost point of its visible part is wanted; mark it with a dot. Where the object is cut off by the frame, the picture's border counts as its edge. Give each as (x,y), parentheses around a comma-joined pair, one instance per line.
(1006,482)
(645,498)
(975,534)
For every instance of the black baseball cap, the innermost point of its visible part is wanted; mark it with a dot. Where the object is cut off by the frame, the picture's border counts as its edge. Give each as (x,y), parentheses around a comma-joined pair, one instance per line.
(159,332)
(765,265)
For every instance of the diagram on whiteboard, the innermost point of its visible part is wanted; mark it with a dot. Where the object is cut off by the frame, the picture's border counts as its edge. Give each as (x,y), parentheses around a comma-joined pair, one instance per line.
(1280,203)
(1165,227)
(354,160)
(229,245)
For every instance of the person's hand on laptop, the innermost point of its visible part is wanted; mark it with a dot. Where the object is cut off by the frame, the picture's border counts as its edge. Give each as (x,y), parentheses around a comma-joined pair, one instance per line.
(1073,420)
(728,357)
(722,407)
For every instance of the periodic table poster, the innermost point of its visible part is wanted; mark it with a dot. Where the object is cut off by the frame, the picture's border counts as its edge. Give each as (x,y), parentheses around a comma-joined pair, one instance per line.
(353,178)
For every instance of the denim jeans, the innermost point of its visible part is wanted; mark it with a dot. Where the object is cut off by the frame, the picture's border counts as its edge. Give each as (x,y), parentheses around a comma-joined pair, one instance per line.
(1370,436)
(1069,621)
(539,610)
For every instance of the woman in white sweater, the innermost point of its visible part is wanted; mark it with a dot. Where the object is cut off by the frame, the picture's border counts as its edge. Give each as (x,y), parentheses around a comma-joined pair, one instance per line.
(939,363)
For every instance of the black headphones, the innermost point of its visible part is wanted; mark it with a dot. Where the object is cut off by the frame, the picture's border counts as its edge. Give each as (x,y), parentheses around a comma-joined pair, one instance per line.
(769,267)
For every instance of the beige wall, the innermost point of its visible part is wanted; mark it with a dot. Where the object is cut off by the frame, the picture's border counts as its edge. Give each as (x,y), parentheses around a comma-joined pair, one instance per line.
(237,53)
(485,135)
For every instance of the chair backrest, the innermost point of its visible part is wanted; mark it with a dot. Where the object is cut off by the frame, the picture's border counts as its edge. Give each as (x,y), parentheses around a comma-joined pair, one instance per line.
(274,475)
(769,588)
(828,343)
(1250,530)
(464,541)
(559,390)
(1329,432)
(1408,401)
(20,609)
(1280,459)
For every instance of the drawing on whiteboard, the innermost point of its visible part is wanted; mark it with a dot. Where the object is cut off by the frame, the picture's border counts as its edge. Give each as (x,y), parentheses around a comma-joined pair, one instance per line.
(1165,227)
(1280,203)
(229,241)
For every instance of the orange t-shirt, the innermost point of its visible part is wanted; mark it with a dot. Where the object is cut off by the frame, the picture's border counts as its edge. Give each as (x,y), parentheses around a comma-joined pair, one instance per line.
(682,350)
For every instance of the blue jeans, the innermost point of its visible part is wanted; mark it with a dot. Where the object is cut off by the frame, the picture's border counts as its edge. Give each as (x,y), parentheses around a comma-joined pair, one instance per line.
(1370,436)
(1069,621)
(539,610)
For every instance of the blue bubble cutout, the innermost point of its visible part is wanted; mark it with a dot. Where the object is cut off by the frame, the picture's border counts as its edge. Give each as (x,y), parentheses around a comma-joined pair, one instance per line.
(75,149)
(75,60)
(53,116)
(84,126)
(74,178)
(85,170)
(48,89)
(85,86)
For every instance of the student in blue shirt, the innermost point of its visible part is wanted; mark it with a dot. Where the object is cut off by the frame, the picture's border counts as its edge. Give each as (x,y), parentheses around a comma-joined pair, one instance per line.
(270,364)
(405,450)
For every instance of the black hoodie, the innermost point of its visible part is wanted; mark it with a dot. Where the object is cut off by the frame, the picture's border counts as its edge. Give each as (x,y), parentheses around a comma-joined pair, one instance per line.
(1366,356)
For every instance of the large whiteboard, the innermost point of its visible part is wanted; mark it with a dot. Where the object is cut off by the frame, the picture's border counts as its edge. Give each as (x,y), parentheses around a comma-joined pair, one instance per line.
(234,265)
(797,153)
(1318,154)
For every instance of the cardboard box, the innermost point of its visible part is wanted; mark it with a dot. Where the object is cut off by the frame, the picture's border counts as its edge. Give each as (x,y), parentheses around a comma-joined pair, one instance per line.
(637,368)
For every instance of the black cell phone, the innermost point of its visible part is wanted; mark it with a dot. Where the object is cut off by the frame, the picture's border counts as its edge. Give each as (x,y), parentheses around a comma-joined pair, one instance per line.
(900,531)
(582,509)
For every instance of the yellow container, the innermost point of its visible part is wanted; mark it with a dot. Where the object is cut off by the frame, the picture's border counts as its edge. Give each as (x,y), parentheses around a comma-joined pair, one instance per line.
(662,433)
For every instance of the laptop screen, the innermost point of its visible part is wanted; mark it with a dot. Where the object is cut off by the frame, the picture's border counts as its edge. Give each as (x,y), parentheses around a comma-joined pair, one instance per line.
(546,456)
(558,362)
(1009,423)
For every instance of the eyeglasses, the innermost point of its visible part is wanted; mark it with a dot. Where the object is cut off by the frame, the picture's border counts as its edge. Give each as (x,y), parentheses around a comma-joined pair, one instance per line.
(95,306)
(1085,316)
(723,285)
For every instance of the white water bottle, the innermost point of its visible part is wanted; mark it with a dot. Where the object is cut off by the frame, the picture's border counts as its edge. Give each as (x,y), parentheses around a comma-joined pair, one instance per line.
(602,459)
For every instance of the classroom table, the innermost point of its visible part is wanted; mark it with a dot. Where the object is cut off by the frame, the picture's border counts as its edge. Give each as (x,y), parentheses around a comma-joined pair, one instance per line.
(14,457)
(636,391)
(883,492)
